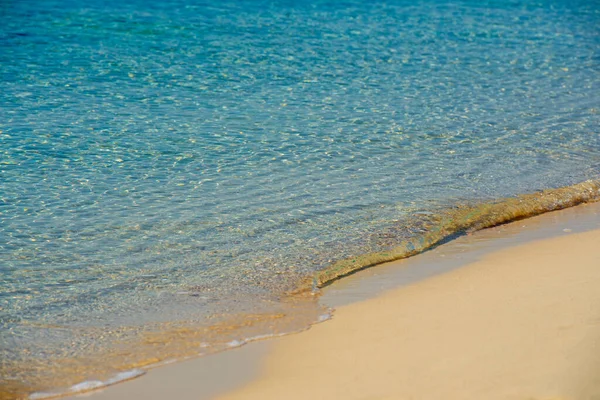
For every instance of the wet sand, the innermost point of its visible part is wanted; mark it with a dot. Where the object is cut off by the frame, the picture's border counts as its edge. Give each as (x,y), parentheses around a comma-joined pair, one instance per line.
(521,322)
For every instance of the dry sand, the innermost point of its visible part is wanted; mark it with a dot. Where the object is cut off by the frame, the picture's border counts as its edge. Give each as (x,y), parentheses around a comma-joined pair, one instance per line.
(521,323)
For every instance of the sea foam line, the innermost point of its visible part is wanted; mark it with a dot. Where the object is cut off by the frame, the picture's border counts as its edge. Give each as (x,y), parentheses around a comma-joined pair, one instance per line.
(87,386)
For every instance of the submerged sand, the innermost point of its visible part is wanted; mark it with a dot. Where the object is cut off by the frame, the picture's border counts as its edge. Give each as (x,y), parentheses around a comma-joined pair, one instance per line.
(521,323)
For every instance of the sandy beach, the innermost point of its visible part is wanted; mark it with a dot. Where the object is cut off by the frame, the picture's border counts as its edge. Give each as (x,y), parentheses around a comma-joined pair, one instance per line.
(298,199)
(522,322)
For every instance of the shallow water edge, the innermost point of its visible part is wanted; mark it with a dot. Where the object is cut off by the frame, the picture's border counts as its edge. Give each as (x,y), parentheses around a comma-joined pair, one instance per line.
(465,219)
(367,284)
(164,343)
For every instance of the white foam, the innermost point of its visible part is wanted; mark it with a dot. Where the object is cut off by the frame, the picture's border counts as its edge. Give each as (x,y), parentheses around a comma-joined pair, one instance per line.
(236,343)
(324,317)
(86,386)
(263,337)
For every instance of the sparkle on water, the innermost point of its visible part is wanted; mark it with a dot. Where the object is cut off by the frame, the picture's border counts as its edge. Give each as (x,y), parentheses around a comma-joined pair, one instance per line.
(179,160)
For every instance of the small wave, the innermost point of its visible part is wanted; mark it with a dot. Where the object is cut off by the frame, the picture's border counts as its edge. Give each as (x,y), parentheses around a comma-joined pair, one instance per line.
(452,223)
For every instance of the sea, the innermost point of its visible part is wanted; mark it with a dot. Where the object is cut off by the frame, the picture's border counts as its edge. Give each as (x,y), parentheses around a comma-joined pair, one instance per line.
(179,177)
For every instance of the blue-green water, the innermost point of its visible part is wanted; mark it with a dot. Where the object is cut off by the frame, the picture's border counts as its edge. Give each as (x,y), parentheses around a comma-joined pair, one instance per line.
(150,150)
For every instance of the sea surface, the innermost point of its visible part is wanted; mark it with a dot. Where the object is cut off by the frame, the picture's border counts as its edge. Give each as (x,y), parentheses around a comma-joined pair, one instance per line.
(171,170)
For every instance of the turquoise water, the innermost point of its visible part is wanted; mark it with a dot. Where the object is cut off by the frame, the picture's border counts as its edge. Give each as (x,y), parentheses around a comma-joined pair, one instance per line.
(176,160)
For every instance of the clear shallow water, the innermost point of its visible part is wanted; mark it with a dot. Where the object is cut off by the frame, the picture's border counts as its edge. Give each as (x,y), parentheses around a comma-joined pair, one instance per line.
(178,160)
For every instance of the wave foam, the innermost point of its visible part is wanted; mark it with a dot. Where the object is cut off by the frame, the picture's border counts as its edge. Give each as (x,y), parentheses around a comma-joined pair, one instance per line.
(87,386)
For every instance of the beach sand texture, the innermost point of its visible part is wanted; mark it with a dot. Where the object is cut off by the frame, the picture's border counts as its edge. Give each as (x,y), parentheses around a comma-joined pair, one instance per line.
(522,323)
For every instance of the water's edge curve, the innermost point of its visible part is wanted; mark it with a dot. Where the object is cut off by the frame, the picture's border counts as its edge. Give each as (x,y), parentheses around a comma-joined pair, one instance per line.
(440,228)
(465,219)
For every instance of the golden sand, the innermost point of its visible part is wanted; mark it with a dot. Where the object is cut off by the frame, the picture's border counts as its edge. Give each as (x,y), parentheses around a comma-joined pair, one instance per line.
(522,323)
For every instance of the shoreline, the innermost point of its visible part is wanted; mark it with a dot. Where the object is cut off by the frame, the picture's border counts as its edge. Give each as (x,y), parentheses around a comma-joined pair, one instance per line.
(118,359)
(522,323)
(188,379)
